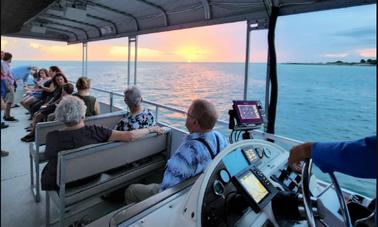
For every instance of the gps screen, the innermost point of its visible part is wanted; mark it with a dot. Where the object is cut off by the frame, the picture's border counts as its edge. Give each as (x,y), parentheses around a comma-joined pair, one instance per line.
(247,112)
(253,186)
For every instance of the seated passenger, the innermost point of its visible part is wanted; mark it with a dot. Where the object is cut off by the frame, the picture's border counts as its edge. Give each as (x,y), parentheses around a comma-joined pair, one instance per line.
(48,89)
(71,111)
(137,117)
(58,81)
(193,155)
(83,86)
(33,95)
(42,113)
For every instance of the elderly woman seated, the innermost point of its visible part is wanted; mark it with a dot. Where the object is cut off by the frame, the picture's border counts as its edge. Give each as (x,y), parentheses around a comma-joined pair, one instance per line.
(71,111)
(137,117)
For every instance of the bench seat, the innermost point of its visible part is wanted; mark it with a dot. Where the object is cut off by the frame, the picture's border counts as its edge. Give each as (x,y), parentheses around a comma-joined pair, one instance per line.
(117,164)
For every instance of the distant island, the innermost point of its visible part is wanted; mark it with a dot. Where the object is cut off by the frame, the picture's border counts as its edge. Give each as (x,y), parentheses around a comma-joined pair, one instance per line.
(362,62)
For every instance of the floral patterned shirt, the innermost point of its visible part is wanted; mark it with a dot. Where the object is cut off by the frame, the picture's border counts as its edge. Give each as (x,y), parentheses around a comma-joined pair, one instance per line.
(143,119)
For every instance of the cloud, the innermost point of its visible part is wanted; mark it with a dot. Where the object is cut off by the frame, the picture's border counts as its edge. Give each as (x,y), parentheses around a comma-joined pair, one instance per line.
(118,51)
(366,32)
(121,51)
(34,45)
(337,55)
(367,53)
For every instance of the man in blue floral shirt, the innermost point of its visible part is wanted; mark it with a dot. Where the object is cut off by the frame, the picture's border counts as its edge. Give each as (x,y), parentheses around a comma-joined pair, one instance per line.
(192,157)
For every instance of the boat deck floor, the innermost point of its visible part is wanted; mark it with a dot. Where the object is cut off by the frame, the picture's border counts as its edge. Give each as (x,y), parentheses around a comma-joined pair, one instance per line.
(18,207)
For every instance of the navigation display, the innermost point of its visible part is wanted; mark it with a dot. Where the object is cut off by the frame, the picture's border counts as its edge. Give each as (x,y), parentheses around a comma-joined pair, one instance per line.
(235,162)
(247,112)
(253,186)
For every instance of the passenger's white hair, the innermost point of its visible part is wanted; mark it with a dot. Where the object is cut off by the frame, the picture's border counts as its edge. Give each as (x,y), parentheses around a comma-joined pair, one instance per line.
(70,111)
(133,96)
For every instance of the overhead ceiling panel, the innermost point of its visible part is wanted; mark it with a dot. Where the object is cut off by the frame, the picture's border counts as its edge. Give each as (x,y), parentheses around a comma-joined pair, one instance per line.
(75,21)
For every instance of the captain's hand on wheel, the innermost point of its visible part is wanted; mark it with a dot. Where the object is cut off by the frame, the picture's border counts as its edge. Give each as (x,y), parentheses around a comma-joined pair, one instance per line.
(298,154)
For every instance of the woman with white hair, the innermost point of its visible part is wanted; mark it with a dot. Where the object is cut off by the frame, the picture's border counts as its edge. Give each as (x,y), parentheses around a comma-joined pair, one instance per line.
(137,117)
(71,111)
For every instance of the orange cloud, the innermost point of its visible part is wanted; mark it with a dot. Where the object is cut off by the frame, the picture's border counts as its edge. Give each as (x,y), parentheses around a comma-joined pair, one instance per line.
(121,52)
(367,53)
(34,45)
(59,52)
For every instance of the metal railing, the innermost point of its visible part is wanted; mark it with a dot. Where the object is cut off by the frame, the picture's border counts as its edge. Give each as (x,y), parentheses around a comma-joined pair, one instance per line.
(159,106)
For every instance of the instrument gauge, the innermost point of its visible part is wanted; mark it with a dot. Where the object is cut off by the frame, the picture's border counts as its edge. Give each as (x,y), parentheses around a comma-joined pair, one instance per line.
(224,176)
(218,188)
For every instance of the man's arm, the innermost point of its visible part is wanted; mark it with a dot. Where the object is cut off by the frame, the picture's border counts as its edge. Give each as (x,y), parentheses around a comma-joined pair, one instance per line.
(134,134)
(355,158)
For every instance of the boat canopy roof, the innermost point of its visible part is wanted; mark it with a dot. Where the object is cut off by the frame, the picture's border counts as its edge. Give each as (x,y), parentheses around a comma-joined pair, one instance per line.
(80,21)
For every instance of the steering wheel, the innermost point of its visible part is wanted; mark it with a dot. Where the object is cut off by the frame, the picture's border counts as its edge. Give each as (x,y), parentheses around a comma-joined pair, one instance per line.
(306,174)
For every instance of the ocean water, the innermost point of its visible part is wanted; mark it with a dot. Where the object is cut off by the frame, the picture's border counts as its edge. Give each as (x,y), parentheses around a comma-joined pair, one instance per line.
(315,102)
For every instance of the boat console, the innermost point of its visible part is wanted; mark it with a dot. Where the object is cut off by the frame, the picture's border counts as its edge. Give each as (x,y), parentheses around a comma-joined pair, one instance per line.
(247,184)
(258,174)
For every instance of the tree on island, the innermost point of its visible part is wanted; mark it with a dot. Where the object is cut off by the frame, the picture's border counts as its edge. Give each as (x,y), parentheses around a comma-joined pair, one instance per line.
(362,61)
(371,61)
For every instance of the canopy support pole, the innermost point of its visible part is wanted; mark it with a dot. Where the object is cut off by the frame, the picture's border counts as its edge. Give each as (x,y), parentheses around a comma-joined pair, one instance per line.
(84,63)
(246,65)
(271,107)
(251,25)
(131,40)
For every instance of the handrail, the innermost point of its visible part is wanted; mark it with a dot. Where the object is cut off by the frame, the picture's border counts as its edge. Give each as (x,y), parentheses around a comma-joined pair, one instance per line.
(157,105)
(263,134)
(266,135)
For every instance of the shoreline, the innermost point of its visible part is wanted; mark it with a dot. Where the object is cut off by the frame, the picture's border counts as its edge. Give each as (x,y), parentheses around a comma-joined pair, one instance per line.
(338,64)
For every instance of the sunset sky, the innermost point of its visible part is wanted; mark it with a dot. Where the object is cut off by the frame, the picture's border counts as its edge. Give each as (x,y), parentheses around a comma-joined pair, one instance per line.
(345,34)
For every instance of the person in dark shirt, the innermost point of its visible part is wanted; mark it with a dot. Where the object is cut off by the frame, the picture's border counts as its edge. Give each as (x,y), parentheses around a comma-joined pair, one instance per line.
(71,111)
(44,111)
(50,89)
(357,158)
(83,86)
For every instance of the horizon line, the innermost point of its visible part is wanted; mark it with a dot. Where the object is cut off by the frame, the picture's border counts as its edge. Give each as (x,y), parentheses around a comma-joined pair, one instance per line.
(14,60)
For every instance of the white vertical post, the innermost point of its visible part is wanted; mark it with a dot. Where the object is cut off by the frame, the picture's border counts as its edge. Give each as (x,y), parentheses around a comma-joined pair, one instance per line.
(132,40)
(135,59)
(86,59)
(128,61)
(82,61)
